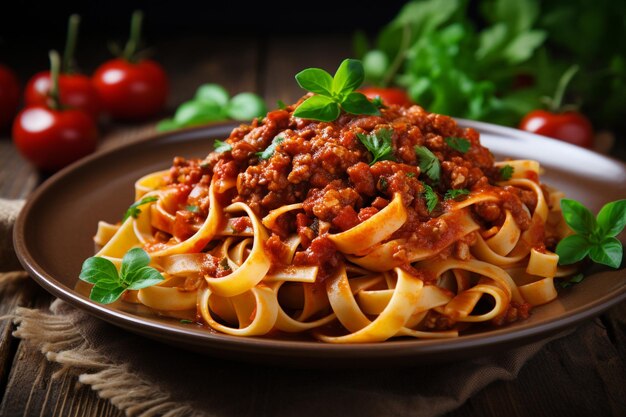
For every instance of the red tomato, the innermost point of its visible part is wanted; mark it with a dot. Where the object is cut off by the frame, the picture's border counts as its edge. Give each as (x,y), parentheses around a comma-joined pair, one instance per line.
(131,91)
(51,139)
(9,95)
(388,95)
(568,126)
(76,91)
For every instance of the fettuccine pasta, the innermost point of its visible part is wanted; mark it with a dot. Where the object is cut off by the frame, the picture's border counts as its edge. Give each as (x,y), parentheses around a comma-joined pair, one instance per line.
(316,238)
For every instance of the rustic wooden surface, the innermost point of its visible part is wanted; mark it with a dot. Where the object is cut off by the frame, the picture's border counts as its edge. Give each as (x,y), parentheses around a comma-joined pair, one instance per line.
(582,374)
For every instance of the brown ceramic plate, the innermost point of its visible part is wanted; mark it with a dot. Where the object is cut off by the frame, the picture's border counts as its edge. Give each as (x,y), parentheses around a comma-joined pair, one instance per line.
(53,235)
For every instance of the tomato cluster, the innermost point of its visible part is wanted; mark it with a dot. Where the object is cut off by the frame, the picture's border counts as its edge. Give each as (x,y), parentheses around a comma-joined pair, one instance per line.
(59,122)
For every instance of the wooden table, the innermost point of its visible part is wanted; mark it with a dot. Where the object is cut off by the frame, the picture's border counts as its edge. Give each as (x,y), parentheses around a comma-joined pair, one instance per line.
(583,374)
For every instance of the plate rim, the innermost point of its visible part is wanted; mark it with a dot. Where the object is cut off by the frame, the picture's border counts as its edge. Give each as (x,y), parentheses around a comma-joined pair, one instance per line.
(298,348)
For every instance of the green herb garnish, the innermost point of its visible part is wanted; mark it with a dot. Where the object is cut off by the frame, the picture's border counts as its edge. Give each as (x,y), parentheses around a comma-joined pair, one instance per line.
(224,264)
(221,147)
(108,284)
(134,211)
(185,321)
(379,144)
(576,279)
(460,144)
(452,194)
(192,208)
(411,175)
(269,151)
(595,236)
(431,197)
(383,184)
(334,94)
(429,163)
(506,172)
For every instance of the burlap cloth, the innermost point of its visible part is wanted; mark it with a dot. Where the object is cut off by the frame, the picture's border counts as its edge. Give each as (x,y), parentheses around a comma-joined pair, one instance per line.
(145,378)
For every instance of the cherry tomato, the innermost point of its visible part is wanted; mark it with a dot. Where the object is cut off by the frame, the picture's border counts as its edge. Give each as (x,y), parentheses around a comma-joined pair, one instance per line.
(388,95)
(569,126)
(76,91)
(131,91)
(9,95)
(51,139)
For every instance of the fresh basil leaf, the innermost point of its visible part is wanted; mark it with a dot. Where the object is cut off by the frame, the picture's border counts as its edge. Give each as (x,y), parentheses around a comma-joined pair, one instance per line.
(166,125)
(214,93)
(379,144)
(221,147)
(608,252)
(245,107)
(96,268)
(431,198)
(281,104)
(133,210)
(132,261)
(349,77)
(357,103)
(269,151)
(106,292)
(578,217)
(452,194)
(192,208)
(429,163)
(143,277)
(196,112)
(459,144)
(315,80)
(320,108)
(572,249)
(506,172)
(612,218)
(576,279)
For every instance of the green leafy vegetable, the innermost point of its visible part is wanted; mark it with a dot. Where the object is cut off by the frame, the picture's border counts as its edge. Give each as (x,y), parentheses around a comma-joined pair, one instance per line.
(281,104)
(453,194)
(134,211)
(431,198)
(379,144)
(193,209)
(212,103)
(429,163)
(460,144)
(333,93)
(269,151)
(576,279)
(595,236)
(221,147)
(108,284)
(506,172)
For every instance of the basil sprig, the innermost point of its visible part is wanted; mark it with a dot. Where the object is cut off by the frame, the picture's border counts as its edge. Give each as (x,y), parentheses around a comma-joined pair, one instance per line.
(108,284)
(333,94)
(269,151)
(595,236)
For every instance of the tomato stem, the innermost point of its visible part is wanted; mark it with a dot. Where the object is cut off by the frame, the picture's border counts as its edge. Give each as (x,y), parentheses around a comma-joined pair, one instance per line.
(70,44)
(54,101)
(557,100)
(135,34)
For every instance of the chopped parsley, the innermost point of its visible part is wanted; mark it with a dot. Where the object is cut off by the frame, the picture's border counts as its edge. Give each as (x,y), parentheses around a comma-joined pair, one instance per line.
(224,264)
(460,144)
(134,211)
(269,151)
(383,184)
(193,209)
(221,147)
(429,163)
(506,172)
(452,194)
(185,321)
(379,144)
(431,198)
